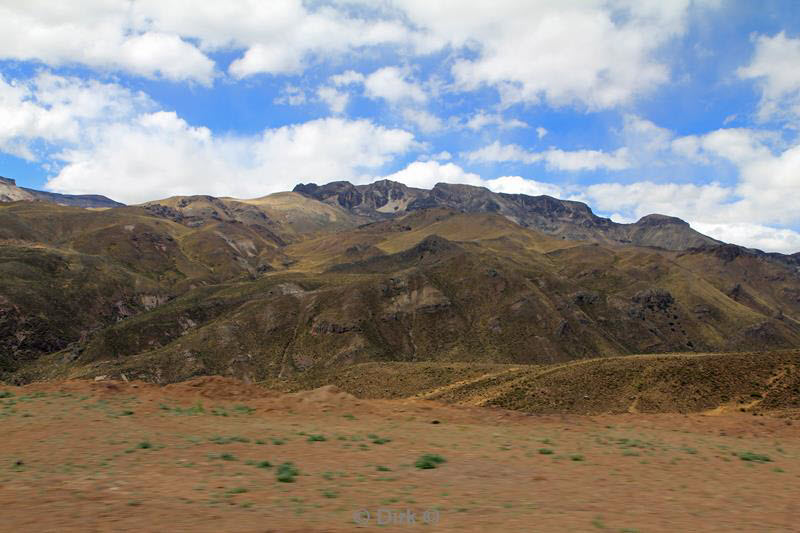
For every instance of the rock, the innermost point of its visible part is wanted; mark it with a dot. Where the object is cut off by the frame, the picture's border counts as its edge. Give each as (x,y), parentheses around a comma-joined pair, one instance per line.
(585,297)
(654,299)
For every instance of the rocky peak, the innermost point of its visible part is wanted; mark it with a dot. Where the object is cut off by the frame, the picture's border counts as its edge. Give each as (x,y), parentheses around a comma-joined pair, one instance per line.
(660,220)
(346,194)
(8,181)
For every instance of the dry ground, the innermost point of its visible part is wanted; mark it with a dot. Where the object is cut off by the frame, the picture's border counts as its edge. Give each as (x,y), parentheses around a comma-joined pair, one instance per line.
(108,456)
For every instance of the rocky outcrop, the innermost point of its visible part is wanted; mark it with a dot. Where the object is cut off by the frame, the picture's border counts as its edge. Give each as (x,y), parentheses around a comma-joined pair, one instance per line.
(560,218)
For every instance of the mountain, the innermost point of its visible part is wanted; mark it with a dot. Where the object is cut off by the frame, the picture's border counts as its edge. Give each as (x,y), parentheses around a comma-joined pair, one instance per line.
(10,192)
(331,276)
(560,218)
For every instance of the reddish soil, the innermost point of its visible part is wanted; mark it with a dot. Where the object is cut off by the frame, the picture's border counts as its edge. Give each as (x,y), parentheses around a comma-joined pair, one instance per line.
(109,456)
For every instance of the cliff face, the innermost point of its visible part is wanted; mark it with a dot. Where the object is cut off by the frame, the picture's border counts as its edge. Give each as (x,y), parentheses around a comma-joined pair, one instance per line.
(560,218)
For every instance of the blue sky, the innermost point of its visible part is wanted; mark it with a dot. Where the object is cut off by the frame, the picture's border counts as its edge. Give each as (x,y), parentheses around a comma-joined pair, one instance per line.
(685,108)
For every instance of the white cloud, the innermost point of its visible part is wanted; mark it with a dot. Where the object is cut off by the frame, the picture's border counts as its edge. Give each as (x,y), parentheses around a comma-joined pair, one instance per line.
(501,153)
(520,185)
(291,95)
(746,211)
(775,68)
(590,53)
(160,155)
(426,122)
(753,236)
(554,158)
(768,187)
(99,34)
(595,54)
(482,119)
(279,36)
(336,100)
(426,174)
(57,109)
(541,132)
(643,138)
(578,160)
(687,201)
(392,84)
(348,77)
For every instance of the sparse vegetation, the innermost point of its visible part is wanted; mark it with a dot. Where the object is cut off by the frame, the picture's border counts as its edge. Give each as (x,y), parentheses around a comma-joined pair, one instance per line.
(287,472)
(429,461)
(754,457)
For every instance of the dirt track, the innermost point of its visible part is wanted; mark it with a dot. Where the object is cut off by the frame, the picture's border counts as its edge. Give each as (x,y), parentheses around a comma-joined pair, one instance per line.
(82,456)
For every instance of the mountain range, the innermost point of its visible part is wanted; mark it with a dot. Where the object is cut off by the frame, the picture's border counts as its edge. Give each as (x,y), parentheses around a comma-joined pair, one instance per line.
(10,192)
(328,276)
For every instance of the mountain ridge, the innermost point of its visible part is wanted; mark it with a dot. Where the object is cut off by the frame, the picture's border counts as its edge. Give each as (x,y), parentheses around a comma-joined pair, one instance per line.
(201,285)
(562,218)
(11,192)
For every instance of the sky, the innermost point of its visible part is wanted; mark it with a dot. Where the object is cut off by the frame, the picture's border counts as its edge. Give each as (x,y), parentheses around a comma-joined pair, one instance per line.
(680,107)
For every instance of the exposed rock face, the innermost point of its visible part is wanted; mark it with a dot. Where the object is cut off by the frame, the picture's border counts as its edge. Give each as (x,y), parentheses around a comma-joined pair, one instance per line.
(654,299)
(560,218)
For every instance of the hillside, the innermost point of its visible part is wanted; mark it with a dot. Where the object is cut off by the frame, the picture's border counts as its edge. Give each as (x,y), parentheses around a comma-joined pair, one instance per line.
(560,218)
(289,284)
(10,192)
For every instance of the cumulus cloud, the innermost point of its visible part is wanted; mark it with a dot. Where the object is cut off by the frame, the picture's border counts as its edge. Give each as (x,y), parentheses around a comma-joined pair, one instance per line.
(57,109)
(423,120)
(768,185)
(554,158)
(426,174)
(688,201)
(291,95)
(482,119)
(520,185)
(748,211)
(335,99)
(593,54)
(348,77)
(393,85)
(774,67)
(98,34)
(159,155)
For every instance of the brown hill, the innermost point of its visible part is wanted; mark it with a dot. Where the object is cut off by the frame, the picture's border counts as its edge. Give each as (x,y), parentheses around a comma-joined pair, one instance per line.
(561,218)
(10,192)
(288,283)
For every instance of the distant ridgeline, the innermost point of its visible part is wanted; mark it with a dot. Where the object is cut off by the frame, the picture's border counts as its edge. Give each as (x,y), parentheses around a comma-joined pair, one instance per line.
(10,192)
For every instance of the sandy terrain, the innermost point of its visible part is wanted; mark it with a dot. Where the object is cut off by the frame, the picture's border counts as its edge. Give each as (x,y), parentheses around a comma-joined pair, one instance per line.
(205,456)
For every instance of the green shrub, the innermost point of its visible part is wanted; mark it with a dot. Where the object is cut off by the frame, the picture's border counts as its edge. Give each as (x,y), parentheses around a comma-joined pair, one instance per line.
(287,472)
(429,460)
(754,457)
